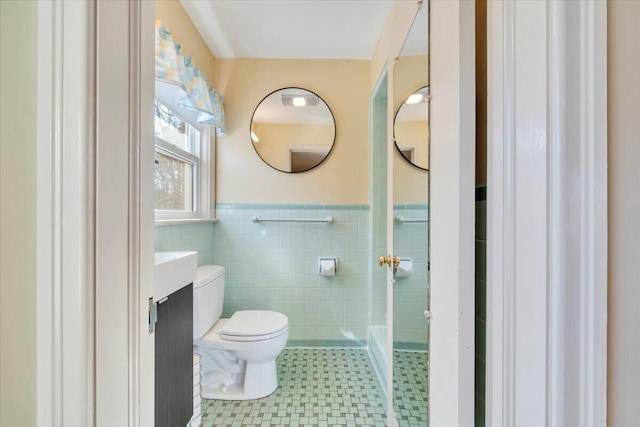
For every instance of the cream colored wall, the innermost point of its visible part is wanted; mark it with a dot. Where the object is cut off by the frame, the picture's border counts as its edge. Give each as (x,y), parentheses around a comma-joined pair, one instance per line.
(410,184)
(414,133)
(242,177)
(178,22)
(345,85)
(624,212)
(18,50)
(275,139)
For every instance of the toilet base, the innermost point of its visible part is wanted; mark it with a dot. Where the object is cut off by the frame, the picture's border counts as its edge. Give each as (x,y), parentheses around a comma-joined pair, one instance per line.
(260,380)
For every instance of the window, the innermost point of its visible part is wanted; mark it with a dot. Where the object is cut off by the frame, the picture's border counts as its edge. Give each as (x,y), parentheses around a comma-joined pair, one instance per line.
(182,168)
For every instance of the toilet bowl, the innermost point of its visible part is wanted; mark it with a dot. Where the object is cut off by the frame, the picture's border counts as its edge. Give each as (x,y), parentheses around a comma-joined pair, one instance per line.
(238,354)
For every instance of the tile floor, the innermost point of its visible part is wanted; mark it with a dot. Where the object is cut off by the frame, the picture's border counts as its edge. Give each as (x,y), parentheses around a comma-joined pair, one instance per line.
(410,388)
(329,387)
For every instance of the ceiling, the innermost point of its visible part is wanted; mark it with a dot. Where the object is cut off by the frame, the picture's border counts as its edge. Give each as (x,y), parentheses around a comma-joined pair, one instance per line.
(302,29)
(271,110)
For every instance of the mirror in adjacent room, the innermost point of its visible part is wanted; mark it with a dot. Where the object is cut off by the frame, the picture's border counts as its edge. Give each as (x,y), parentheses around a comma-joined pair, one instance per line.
(411,224)
(411,93)
(293,130)
(411,128)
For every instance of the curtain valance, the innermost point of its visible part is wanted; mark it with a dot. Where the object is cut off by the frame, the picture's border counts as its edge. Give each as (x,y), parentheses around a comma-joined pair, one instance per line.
(182,86)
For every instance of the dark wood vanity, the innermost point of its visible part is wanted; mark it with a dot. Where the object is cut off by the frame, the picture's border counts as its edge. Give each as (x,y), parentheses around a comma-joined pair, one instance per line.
(174,359)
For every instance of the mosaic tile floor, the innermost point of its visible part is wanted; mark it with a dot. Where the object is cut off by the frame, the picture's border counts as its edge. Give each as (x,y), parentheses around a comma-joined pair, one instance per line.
(410,388)
(327,387)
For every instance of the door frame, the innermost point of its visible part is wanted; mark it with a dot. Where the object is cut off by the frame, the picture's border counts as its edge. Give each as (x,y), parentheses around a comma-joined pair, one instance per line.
(82,83)
(95,213)
(452,213)
(66,217)
(547,214)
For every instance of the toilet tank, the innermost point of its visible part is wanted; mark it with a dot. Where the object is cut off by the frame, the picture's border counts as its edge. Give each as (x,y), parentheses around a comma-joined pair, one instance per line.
(208,296)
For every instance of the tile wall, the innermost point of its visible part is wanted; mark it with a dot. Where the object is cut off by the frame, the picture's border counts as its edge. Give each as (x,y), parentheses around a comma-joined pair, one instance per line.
(378,195)
(411,293)
(274,266)
(191,237)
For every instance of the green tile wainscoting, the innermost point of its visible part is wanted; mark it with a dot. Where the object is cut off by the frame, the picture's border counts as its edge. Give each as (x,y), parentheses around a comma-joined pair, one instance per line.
(411,293)
(481,305)
(274,266)
(187,237)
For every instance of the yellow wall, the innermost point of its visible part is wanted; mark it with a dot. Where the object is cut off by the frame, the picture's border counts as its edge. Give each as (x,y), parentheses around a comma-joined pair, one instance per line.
(410,184)
(242,177)
(172,14)
(415,133)
(18,65)
(623,386)
(275,139)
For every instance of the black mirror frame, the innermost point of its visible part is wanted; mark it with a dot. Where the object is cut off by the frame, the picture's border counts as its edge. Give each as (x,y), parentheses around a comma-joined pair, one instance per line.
(335,129)
(395,117)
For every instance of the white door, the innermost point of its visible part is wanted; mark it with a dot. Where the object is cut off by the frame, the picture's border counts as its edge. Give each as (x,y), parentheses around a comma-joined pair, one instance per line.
(410,163)
(451,206)
(452,212)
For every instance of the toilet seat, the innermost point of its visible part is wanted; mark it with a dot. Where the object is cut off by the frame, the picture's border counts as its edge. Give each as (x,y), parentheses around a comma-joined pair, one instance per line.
(254,325)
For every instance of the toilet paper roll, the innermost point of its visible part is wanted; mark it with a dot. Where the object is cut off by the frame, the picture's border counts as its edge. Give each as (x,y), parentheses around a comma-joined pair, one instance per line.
(327,267)
(405,268)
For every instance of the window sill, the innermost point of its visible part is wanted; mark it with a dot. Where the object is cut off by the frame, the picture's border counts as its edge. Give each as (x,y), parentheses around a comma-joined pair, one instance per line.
(166,222)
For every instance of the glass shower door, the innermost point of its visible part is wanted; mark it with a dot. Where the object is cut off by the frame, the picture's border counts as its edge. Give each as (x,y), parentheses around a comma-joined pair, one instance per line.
(377,333)
(410,165)
(398,332)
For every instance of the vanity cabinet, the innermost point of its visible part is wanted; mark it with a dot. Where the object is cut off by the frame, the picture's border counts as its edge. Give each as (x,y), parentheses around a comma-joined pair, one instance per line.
(174,359)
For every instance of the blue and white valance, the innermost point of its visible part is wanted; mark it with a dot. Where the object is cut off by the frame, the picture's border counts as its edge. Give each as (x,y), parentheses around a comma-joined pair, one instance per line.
(182,86)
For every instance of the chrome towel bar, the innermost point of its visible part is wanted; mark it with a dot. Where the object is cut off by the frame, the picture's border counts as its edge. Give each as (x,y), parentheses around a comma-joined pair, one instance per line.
(401,220)
(326,220)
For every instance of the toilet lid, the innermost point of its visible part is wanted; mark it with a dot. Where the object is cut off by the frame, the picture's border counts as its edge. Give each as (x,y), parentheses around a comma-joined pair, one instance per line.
(251,323)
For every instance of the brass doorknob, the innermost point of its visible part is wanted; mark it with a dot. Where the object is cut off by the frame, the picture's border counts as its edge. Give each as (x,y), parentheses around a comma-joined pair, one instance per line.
(386,260)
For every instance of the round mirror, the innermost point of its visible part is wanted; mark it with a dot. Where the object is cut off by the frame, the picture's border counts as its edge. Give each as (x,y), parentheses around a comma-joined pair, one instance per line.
(293,130)
(411,128)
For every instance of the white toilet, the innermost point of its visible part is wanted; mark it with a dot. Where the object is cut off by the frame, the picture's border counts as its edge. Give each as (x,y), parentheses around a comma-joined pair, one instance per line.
(237,355)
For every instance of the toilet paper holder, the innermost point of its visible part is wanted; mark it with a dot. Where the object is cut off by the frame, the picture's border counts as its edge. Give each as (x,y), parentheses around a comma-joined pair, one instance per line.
(327,266)
(404,268)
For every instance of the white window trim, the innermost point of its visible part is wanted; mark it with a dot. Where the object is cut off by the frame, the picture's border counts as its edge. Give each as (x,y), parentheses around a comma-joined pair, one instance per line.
(204,174)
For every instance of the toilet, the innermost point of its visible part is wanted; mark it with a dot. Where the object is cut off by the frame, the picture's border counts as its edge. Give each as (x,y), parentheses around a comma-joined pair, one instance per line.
(238,354)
